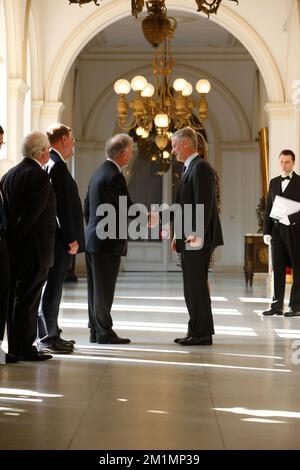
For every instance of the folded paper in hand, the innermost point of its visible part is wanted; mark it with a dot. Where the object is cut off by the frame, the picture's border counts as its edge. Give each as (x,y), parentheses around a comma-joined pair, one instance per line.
(283,206)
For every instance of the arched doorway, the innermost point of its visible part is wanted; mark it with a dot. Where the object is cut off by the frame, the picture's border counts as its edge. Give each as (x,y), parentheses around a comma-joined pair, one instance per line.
(229,132)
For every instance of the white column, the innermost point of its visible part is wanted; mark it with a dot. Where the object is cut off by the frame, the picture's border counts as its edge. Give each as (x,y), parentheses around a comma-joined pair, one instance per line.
(296,102)
(283,132)
(17,90)
(50,113)
(36,108)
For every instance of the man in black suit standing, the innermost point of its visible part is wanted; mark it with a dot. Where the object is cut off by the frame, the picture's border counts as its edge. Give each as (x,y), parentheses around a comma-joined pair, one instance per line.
(69,238)
(284,236)
(5,273)
(197,186)
(103,256)
(31,230)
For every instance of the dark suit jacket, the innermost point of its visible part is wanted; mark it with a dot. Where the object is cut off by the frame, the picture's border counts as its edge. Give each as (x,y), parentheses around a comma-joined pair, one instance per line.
(69,226)
(292,192)
(198,187)
(31,209)
(106,186)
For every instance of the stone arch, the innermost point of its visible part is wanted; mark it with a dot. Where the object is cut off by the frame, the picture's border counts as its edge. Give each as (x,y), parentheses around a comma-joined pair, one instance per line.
(112,12)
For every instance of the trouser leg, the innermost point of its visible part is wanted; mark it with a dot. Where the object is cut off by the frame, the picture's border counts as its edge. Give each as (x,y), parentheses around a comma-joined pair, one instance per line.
(195,269)
(105,272)
(51,298)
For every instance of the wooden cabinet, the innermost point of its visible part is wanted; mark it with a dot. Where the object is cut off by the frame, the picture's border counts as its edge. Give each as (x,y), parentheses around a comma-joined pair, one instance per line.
(256,256)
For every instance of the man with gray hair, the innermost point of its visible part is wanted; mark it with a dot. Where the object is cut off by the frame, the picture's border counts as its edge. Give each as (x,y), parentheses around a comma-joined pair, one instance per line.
(31,222)
(103,256)
(197,187)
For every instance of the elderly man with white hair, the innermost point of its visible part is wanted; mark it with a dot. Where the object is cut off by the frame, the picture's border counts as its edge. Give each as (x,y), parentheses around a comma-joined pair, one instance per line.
(31,209)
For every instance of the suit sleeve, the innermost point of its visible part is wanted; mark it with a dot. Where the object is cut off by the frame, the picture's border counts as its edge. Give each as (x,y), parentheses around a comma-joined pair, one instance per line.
(268,222)
(86,206)
(61,182)
(204,192)
(295,218)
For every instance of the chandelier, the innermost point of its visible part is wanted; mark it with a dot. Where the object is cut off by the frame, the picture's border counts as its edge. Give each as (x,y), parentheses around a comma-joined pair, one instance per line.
(162,108)
(81,2)
(207,6)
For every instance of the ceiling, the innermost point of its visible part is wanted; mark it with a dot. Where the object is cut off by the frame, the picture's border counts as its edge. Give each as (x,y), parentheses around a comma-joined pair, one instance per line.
(193,31)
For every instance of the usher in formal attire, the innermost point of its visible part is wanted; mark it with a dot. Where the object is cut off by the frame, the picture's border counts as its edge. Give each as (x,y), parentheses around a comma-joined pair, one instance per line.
(285,245)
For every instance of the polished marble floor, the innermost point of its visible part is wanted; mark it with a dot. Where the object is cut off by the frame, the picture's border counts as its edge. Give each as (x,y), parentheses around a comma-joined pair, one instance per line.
(241,393)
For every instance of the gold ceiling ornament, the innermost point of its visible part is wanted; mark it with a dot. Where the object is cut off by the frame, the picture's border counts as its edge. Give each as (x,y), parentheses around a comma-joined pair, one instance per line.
(207,6)
(82,2)
(162,108)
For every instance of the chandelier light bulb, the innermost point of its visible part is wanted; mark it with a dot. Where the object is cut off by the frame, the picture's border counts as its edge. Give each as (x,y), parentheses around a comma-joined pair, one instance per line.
(148,91)
(166,154)
(145,134)
(179,84)
(203,86)
(122,87)
(140,131)
(162,121)
(188,89)
(138,83)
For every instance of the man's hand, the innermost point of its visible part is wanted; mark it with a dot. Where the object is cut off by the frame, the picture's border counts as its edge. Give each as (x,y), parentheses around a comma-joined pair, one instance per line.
(285,220)
(153,219)
(73,248)
(267,239)
(194,242)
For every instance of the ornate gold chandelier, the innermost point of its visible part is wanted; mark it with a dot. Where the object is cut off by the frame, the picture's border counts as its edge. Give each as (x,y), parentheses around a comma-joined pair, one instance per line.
(164,107)
(207,6)
(82,2)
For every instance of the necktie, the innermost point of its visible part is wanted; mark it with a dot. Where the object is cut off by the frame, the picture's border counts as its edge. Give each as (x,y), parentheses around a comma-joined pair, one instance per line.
(183,171)
(283,178)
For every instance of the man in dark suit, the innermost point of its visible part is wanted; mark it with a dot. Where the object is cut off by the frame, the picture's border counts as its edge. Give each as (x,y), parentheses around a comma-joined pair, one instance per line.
(196,187)
(31,230)
(103,256)
(284,236)
(5,273)
(69,238)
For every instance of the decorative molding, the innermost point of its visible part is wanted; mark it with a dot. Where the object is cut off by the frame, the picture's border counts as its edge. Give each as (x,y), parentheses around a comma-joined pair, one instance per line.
(279,110)
(239,146)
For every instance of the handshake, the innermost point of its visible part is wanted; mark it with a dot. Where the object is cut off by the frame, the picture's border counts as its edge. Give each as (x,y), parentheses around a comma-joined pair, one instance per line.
(153,219)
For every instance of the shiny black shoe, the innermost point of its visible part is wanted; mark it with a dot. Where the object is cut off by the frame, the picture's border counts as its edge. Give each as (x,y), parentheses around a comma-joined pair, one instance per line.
(56,348)
(37,356)
(12,358)
(93,337)
(272,311)
(203,341)
(114,340)
(177,340)
(67,341)
(292,313)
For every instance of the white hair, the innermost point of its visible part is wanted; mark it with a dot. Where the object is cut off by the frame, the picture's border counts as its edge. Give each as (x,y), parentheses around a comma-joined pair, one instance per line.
(34,144)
